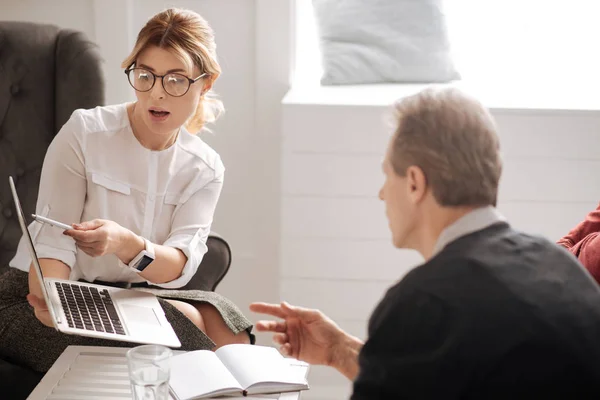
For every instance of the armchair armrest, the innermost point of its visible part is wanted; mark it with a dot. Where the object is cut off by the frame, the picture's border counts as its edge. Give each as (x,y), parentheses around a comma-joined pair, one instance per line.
(214,265)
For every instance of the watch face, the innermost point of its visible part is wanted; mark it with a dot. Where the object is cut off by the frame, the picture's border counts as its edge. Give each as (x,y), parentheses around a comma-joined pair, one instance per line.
(144,262)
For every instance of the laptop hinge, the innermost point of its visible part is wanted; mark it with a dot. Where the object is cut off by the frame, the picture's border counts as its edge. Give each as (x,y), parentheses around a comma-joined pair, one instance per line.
(51,293)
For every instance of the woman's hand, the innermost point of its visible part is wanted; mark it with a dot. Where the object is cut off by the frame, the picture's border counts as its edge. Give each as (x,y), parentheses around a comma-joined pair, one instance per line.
(51,268)
(98,237)
(40,308)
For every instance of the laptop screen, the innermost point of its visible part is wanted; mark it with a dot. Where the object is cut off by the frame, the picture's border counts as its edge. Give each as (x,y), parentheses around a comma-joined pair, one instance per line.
(29,242)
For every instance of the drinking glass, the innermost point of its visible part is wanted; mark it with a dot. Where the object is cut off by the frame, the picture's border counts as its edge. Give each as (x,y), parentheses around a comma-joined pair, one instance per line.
(149,371)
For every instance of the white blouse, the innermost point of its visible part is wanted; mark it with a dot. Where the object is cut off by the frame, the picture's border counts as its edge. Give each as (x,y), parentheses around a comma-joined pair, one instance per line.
(96,168)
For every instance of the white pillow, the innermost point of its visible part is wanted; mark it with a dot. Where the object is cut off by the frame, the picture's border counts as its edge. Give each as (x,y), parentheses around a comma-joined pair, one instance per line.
(376,41)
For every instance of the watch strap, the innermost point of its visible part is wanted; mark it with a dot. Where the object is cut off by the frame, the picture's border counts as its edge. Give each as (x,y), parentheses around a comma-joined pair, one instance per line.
(149,247)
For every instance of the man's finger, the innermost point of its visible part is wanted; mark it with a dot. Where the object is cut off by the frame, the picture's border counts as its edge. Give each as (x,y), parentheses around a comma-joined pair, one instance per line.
(267,308)
(286,349)
(291,310)
(280,338)
(271,326)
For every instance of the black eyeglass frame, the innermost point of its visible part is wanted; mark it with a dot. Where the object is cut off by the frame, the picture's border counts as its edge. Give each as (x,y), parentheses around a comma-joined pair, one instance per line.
(190,80)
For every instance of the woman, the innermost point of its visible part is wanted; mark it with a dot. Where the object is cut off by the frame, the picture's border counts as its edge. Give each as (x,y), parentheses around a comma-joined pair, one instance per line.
(140,180)
(584,242)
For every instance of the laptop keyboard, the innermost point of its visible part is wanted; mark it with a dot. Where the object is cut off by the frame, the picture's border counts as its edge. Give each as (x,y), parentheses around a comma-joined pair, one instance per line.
(89,308)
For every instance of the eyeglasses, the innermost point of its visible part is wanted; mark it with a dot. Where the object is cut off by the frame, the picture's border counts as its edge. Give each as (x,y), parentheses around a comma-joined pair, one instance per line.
(175,85)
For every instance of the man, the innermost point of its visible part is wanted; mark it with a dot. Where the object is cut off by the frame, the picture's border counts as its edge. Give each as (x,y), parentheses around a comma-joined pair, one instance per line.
(492,313)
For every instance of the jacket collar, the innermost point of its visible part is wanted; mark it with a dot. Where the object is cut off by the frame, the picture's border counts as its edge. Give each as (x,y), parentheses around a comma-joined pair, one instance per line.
(474,221)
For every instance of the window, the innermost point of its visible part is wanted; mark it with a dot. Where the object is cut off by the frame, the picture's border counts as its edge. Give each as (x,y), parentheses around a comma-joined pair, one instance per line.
(546,47)
(307,57)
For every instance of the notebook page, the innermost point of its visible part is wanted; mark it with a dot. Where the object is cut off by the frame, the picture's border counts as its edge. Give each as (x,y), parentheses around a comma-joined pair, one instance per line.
(198,373)
(253,364)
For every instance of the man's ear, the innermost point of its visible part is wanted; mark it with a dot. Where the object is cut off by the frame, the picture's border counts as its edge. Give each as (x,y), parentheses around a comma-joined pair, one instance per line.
(417,183)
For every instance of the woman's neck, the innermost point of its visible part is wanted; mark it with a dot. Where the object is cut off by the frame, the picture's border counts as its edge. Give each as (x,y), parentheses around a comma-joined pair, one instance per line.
(145,137)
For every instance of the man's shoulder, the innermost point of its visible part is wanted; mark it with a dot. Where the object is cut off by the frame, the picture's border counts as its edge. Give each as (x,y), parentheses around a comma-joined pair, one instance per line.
(514,246)
(497,263)
(500,244)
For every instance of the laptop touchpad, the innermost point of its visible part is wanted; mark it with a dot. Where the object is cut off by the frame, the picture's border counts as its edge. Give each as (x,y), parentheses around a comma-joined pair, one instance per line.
(139,315)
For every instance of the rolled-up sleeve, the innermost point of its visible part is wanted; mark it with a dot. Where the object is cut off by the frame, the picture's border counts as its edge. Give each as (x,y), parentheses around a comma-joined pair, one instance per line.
(62,192)
(191,226)
(591,224)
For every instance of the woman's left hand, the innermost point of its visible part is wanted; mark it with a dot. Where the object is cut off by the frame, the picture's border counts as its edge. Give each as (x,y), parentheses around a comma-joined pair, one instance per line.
(98,237)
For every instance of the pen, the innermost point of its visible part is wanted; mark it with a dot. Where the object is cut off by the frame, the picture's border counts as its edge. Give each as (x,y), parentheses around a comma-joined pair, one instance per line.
(52,222)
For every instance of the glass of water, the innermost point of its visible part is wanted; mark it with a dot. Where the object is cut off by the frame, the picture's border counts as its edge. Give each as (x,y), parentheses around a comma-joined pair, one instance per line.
(149,372)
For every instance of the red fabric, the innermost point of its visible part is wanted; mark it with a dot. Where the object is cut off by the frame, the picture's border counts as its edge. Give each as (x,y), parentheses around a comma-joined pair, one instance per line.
(584,242)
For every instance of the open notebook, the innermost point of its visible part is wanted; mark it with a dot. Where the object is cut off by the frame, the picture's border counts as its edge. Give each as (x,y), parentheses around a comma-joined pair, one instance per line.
(232,370)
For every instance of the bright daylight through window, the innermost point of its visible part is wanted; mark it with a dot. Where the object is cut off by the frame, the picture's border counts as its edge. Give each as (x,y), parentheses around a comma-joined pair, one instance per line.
(543,51)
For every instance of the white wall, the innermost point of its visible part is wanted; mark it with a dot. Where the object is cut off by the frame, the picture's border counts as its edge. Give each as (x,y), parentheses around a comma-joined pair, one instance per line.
(72,14)
(336,246)
(248,212)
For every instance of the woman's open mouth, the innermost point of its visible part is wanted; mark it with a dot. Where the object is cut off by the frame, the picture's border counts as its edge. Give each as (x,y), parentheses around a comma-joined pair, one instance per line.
(158,115)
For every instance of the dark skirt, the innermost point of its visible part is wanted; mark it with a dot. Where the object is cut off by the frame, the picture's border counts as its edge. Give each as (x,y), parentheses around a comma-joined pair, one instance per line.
(26,341)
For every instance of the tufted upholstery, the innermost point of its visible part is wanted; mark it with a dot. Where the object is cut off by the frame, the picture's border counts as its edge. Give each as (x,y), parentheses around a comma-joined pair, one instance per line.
(45,74)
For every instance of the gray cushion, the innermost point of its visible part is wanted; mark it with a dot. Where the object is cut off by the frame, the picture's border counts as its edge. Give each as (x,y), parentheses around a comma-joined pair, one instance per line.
(377,41)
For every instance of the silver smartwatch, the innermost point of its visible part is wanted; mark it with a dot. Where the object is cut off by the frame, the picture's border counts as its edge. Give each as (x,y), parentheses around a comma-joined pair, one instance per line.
(144,257)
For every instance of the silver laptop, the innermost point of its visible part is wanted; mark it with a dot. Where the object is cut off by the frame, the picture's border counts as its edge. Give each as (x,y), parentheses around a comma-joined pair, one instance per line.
(105,312)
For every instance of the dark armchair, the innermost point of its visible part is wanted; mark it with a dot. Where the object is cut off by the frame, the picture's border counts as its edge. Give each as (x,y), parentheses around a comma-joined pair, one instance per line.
(214,265)
(45,74)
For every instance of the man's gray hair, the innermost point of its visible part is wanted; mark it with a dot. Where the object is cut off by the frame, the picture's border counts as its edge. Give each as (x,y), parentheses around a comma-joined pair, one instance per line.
(453,139)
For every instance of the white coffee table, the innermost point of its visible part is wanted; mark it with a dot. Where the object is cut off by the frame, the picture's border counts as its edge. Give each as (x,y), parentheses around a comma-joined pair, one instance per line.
(100,373)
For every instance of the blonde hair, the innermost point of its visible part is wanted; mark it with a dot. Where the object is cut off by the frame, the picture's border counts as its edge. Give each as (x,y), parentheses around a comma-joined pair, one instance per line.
(190,37)
(453,139)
